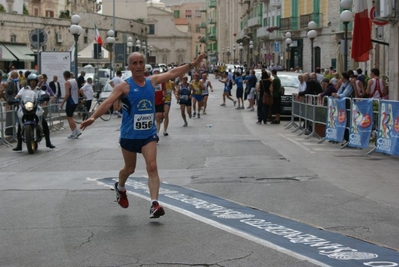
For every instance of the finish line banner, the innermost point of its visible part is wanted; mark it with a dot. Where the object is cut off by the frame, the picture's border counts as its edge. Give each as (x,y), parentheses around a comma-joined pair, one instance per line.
(361,123)
(336,119)
(388,128)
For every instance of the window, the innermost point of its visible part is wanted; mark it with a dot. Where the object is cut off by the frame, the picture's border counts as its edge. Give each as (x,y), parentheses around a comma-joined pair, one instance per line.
(85,39)
(49,14)
(151,29)
(188,14)
(198,14)
(177,14)
(13,38)
(197,28)
(36,11)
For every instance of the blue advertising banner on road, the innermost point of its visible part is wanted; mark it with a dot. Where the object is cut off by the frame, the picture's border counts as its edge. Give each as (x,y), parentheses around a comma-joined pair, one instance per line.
(317,245)
(388,128)
(336,119)
(361,123)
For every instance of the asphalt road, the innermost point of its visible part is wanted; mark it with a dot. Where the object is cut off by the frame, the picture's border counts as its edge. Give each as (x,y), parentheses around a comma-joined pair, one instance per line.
(57,209)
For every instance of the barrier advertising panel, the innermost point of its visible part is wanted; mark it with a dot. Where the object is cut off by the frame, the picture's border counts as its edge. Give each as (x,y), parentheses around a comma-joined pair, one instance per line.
(388,128)
(336,119)
(361,123)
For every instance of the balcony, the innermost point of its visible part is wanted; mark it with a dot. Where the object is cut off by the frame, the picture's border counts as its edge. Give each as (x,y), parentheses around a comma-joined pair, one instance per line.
(316,17)
(275,3)
(276,34)
(289,24)
(203,10)
(255,22)
(212,37)
(212,4)
(202,25)
(212,21)
(246,1)
(262,32)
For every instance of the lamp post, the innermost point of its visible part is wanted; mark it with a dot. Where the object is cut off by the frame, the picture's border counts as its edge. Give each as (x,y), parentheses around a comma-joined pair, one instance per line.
(288,41)
(144,47)
(76,31)
(223,54)
(346,17)
(110,41)
(251,47)
(149,51)
(234,54)
(228,54)
(241,47)
(311,35)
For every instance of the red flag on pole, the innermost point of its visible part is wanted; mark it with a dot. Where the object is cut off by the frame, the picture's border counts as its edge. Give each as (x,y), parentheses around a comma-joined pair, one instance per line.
(361,37)
(97,36)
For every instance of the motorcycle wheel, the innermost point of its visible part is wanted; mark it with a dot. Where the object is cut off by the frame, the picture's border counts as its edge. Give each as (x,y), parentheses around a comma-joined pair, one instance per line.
(31,144)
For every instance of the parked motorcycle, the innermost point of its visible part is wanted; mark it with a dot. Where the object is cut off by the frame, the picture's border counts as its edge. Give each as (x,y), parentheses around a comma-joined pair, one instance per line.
(30,117)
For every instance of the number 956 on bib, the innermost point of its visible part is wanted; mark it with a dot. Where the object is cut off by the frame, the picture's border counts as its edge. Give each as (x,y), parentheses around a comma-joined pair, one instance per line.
(143,121)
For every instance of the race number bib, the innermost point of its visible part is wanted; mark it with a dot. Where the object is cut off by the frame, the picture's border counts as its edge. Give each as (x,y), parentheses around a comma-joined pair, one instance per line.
(184,97)
(143,121)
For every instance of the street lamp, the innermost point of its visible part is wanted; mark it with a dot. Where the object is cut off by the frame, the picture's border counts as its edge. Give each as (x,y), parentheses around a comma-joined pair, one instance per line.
(223,54)
(143,45)
(288,41)
(346,17)
(311,35)
(130,44)
(76,31)
(251,46)
(241,47)
(110,41)
(234,54)
(138,44)
(228,54)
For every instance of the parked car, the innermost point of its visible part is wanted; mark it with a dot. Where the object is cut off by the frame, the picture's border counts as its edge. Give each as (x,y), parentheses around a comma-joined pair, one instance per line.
(290,83)
(106,91)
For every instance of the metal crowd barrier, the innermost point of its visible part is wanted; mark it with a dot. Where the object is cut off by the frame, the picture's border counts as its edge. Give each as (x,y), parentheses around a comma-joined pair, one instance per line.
(311,110)
(8,119)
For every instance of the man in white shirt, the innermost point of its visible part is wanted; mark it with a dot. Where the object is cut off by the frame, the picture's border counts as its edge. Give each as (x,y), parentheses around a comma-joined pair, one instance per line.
(87,92)
(302,84)
(114,82)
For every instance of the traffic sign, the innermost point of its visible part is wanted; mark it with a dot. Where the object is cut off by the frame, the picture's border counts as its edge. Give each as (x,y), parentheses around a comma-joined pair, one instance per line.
(38,37)
(372,17)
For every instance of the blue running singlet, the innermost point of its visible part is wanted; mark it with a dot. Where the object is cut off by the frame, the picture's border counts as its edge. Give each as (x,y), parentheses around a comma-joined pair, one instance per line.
(138,111)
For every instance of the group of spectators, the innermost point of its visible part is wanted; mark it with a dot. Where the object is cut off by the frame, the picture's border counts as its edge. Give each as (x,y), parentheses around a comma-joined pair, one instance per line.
(350,83)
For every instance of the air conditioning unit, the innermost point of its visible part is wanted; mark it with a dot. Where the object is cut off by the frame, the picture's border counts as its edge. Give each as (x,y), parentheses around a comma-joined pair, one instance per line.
(385,10)
(59,38)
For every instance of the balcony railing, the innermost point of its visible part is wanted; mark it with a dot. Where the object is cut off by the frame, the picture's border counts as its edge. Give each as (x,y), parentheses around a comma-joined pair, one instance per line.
(289,24)
(202,25)
(255,22)
(262,32)
(316,17)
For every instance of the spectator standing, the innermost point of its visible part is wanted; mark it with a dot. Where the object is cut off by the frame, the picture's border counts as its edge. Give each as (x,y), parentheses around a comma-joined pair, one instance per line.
(55,87)
(376,87)
(11,90)
(239,82)
(313,87)
(87,93)
(264,86)
(328,88)
(276,107)
(302,83)
(81,79)
(114,82)
(252,80)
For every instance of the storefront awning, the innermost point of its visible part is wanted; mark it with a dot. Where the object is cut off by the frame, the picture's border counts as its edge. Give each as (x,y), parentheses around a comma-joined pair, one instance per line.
(21,52)
(5,55)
